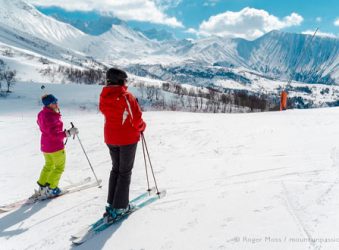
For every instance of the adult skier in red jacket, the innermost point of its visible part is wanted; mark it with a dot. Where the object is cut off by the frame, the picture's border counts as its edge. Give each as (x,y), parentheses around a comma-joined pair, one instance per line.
(123,125)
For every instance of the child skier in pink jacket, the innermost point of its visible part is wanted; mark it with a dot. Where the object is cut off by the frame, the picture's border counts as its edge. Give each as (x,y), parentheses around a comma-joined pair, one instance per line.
(52,146)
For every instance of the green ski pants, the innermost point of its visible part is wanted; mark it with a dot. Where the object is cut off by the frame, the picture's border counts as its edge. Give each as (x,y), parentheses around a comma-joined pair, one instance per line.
(53,169)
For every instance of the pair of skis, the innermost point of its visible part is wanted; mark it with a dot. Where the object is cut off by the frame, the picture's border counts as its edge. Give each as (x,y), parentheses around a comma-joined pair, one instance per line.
(100,225)
(75,187)
(103,223)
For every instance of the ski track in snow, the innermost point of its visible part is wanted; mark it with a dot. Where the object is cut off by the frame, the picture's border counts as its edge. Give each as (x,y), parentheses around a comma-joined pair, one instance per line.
(233,181)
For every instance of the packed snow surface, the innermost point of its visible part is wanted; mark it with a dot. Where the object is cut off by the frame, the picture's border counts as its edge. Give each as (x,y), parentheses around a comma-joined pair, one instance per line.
(233,181)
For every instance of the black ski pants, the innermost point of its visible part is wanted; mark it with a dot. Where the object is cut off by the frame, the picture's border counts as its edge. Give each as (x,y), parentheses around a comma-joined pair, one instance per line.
(120,177)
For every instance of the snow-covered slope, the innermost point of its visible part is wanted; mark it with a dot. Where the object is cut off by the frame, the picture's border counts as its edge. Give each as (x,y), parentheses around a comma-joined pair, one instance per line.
(159,35)
(25,17)
(22,27)
(32,43)
(277,54)
(119,43)
(240,181)
(95,26)
(18,39)
(211,50)
(30,56)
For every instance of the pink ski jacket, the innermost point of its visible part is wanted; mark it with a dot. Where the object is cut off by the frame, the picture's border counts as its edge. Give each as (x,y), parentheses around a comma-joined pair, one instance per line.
(52,133)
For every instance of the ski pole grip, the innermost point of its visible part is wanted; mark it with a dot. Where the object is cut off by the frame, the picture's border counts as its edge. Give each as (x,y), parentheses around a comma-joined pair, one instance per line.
(73,127)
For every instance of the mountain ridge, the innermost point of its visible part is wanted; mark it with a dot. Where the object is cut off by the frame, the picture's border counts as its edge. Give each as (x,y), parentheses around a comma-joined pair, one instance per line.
(275,54)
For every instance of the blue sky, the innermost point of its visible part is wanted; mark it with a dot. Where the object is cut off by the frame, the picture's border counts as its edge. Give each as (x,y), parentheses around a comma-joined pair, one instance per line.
(315,13)
(248,19)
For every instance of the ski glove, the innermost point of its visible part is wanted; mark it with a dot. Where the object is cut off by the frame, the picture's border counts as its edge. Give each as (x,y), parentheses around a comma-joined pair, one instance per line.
(72,131)
(142,127)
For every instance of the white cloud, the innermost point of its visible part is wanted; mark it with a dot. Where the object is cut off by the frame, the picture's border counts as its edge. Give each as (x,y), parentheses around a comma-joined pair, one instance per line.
(137,10)
(249,23)
(192,31)
(336,22)
(319,33)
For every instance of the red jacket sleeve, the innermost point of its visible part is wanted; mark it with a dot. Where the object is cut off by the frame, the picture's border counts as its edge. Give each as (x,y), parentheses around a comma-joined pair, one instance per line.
(136,113)
(101,104)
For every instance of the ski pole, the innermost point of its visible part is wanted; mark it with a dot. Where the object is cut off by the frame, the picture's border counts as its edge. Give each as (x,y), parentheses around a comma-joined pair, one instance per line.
(150,163)
(66,141)
(144,154)
(87,157)
(67,137)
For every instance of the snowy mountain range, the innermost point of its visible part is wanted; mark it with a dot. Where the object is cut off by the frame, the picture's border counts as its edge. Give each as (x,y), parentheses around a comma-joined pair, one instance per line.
(92,27)
(278,54)
(25,17)
(275,55)
(94,23)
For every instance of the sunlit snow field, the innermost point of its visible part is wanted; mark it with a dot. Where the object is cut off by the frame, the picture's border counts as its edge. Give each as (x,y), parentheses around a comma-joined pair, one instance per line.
(233,181)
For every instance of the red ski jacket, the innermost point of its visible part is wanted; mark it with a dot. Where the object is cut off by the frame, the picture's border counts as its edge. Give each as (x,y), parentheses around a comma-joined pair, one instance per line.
(123,116)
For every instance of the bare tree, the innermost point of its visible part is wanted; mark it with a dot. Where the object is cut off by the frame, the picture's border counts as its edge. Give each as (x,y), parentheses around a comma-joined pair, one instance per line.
(142,89)
(189,102)
(173,104)
(44,60)
(1,78)
(8,53)
(2,68)
(157,93)
(200,94)
(225,99)
(150,91)
(196,102)
(162,102)
(177,89)
(9,77)
(182,101)
(166,86)
(191,92)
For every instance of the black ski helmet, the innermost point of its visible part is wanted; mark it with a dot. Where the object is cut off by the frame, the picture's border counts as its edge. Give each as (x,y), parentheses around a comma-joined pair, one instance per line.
(115,76)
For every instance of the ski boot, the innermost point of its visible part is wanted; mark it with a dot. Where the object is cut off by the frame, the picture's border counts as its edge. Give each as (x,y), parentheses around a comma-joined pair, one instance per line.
(121,211)
(110,214)
(52,192)
(41,192)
